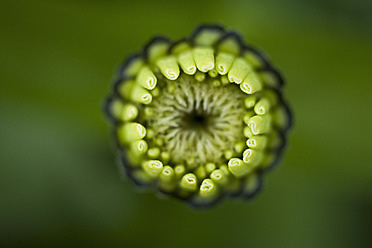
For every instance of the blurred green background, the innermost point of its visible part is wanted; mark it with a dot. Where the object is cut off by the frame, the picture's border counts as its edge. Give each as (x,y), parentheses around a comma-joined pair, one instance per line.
(59,182)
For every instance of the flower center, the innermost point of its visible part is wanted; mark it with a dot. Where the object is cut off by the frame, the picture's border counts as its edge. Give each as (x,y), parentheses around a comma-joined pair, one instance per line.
(197,122)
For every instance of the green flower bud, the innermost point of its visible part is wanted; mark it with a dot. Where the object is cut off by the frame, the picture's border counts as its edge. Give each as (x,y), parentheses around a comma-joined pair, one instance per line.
(189,182)
(187,63)
(131,131)
(129,112)
(204,59)
(169,67)
(208,188)
(152,168)
(201,118)
(146,78)
(224,61)
(239,70)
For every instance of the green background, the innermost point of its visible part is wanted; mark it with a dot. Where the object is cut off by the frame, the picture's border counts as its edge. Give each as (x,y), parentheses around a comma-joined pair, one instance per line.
(59,182)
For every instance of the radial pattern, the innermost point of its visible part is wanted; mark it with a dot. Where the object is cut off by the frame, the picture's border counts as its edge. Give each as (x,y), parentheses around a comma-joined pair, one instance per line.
(200,118)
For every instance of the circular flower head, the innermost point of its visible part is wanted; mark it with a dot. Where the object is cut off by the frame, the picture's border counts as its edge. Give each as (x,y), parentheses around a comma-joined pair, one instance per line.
(199,118)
